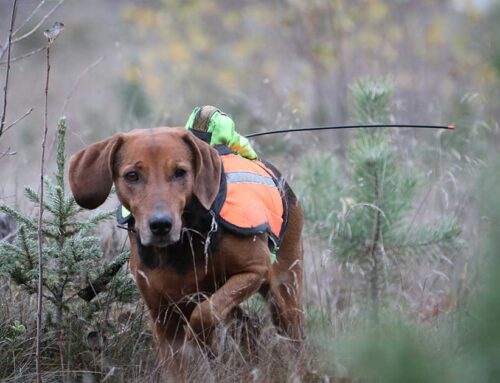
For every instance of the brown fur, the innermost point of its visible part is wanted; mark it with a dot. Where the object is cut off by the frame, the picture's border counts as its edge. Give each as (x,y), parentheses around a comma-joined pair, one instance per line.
(186,290)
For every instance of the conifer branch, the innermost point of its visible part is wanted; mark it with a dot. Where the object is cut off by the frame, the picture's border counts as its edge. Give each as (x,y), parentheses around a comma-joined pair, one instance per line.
(18,217)
(20,278)
(70,249)
(99,284)
(25,247)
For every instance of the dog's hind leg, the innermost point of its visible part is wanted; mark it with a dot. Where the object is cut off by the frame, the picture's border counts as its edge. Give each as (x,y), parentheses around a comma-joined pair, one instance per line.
(285,302)
(285,287)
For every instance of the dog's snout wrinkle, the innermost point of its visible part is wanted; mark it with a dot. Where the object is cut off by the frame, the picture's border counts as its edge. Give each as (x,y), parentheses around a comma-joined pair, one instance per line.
(160,224)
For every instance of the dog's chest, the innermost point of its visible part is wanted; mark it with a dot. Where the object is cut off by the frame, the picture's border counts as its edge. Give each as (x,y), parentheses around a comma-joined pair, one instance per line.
(176,287)
(175,279)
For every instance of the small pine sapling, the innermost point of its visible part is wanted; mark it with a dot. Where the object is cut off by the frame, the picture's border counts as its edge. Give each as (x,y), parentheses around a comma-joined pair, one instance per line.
(74,272)
(375,226)
(318,187)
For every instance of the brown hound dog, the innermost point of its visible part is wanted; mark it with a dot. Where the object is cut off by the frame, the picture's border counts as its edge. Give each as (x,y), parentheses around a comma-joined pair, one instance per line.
(168,179)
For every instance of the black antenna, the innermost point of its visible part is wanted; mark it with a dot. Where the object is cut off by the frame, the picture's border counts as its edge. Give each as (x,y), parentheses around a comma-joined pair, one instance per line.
(257,134)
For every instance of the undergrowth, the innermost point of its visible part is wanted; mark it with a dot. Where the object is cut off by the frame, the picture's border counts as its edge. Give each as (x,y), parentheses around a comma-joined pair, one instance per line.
(436,314)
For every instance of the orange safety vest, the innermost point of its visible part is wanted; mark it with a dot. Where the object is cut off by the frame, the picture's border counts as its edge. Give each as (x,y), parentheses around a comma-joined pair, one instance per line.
(251,198)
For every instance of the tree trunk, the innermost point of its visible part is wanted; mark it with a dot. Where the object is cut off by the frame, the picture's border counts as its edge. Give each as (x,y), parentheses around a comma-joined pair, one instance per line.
(374,278)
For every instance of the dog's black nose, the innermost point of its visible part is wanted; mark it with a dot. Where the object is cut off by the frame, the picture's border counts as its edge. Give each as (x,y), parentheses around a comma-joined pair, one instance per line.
(160,224)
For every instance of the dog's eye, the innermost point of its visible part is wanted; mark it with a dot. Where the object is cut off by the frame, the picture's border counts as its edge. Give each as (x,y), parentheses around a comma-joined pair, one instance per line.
(179,173)
(132,177)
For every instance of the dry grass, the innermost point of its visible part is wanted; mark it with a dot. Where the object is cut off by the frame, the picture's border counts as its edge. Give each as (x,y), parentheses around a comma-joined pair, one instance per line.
(248,348)
(121,348)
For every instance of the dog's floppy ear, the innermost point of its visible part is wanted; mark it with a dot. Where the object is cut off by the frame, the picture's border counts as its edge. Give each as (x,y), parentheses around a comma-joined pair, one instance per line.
(207,170)
(91,172)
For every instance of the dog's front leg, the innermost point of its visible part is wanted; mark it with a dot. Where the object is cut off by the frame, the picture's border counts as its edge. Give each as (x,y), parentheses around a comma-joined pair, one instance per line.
(208,313)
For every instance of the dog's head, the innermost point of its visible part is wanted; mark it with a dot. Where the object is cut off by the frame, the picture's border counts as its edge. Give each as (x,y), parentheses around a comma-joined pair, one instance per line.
(156,173)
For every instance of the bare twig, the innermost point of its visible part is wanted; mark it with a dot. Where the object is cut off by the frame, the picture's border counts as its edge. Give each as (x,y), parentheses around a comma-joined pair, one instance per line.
(28,112)
(7,153)
(51,34)
(40,232)
(417,212)
(73,89)
(28,19)
(36,27)
(23,56)
(33,30)
(8,236)
(77,82)
(6,83)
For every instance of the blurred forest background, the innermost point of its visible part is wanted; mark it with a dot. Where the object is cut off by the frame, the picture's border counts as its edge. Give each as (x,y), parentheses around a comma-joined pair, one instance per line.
(120,65)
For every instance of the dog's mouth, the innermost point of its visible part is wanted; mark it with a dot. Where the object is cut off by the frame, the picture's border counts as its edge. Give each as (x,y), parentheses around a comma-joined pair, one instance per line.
(160,241)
